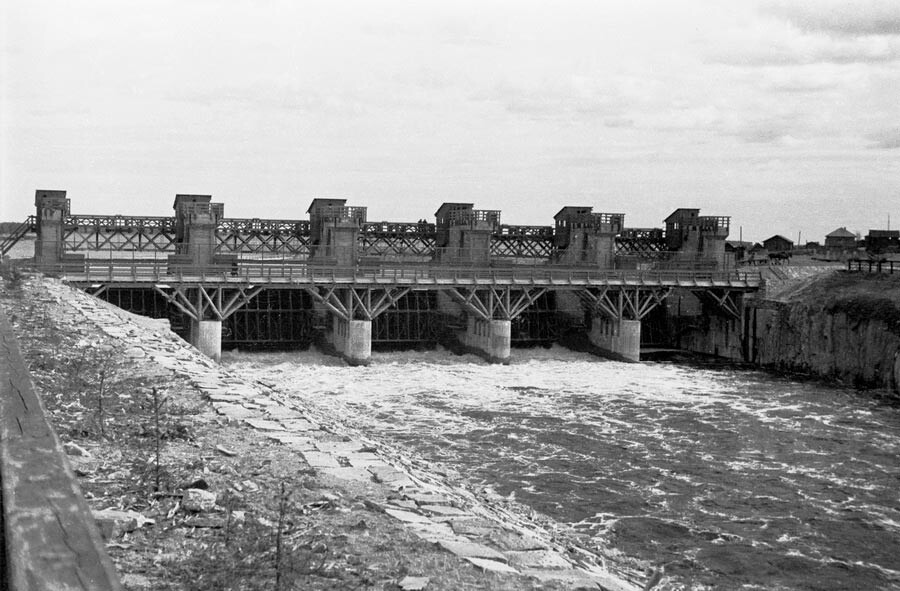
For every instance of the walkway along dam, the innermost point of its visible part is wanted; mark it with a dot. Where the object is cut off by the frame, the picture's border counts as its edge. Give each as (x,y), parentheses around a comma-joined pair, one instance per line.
(465,278)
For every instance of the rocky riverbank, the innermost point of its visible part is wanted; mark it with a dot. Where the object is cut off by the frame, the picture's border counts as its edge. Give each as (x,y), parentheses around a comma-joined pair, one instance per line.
(200,479)
(829,324)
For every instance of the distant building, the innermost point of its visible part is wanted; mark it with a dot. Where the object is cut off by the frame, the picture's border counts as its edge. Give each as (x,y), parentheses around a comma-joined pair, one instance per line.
(841,238)
(778,243)
(740,250)
(882,240)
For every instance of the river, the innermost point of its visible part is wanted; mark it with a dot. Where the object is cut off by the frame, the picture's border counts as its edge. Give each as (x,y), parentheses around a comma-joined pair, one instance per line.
(730,479)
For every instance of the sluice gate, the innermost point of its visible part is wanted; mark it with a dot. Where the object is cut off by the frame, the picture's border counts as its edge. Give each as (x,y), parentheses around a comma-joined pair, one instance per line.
(263,283)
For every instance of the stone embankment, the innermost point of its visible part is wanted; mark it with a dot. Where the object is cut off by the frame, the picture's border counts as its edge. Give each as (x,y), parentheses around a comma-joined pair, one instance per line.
(438,509)
(822,322)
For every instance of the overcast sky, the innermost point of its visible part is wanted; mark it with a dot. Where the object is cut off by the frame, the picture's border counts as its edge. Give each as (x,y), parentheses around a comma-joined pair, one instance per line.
(784,115)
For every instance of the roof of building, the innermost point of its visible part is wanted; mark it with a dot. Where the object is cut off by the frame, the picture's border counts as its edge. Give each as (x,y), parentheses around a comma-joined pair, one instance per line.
(679,214)
(738,244)
(573,209)
(884,233)
(777,237)
(841,232)
(325,202)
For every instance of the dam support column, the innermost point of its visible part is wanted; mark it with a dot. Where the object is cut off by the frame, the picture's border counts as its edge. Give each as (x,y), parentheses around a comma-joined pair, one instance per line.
(490,312)
(206,336)
(352,339)
(207,307)
(620,339)
(352,311)
(489,338)
(616,315)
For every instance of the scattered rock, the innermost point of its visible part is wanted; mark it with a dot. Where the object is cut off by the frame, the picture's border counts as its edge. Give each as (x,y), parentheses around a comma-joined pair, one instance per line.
(215,522)
(198,500)
(225,451)
(73,449)
(200,484)
(414,583)
(137,582)
(115,522)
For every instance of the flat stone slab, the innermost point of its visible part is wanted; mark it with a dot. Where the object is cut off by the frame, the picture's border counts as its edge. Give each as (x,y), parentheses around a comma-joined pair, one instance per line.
(443,510)
(490,565)
(429,499)
(298,442)
(264,425)
(472,550)
(282,412)
(540,559)
(472,526)
(577,577)
(348,473)
(298,424)
(340,447)
(363,459)
(511,541)
(407,516)
(262,401)
(386,474)
(434,532)
(317,459)
(234,411)
(409,505)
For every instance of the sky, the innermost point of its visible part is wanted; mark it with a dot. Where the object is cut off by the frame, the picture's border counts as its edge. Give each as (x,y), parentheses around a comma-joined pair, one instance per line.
(784,115)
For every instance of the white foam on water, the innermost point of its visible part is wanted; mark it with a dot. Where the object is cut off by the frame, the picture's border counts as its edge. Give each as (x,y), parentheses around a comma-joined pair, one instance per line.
(679,444)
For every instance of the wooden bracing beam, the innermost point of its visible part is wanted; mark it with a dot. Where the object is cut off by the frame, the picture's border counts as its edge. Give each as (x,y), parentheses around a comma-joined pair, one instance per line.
(727,300)
(624,303)
(357,303)
(202,302)
(500,303)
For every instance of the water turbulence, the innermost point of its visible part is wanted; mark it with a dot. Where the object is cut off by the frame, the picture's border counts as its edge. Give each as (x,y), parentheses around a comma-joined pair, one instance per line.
(731,479)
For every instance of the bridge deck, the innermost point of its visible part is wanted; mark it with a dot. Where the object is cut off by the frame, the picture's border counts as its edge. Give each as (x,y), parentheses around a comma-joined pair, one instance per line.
(298,274)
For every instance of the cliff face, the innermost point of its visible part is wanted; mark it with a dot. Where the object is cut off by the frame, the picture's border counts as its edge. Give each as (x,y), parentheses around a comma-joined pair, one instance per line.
(828,343)
(839,327)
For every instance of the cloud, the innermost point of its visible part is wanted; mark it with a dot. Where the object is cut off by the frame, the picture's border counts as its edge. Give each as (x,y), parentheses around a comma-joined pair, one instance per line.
(810,78)
(839,17)
(888,139)
(791,49)
(782,130)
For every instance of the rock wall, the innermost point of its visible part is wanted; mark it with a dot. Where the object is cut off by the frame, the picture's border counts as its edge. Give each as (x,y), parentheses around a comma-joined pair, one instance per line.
(805,338)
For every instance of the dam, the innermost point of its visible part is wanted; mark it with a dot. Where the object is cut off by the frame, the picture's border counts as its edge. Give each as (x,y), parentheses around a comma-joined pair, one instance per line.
(465,280)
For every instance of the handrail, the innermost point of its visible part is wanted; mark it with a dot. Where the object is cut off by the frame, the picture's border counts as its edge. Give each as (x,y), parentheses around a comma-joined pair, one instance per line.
(262,270)
(25,227)
(50,538)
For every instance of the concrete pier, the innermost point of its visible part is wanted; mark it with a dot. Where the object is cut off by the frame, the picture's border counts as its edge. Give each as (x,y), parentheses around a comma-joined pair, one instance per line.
(489,338)
(206,336)
(352,339)
(620,339)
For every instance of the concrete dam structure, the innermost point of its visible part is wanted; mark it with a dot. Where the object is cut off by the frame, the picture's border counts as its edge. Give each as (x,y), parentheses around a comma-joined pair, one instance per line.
(466,279)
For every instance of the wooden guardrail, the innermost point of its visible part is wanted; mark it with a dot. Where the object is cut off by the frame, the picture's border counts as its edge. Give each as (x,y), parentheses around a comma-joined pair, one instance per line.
(49,536)
(303,272)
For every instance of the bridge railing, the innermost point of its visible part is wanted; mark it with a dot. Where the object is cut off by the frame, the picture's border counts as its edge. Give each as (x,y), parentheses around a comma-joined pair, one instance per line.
(289,271)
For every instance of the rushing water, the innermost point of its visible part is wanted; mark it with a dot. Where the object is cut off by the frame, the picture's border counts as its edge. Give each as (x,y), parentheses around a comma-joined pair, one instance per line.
(731,479)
